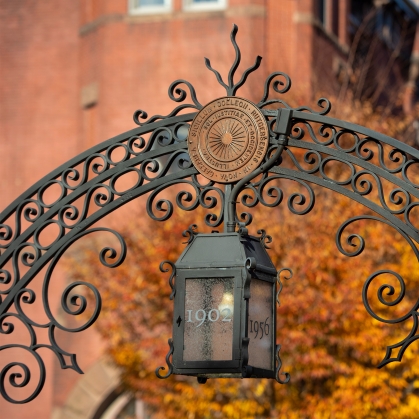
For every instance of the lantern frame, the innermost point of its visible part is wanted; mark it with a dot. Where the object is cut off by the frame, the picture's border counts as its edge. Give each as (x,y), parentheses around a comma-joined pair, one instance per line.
(236,256)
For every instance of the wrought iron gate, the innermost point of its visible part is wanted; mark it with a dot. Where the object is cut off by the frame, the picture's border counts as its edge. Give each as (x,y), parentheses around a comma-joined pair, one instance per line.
(162,161)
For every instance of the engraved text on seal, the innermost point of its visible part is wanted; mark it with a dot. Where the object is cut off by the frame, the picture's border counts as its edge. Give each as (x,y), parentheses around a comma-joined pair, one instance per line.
(228,139)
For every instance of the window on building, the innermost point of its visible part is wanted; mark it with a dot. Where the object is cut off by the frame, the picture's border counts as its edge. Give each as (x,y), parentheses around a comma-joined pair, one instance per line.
(359,9)
(389,27)
(204,4)
(327,14)
(335,17)
(137,7)
(321,11)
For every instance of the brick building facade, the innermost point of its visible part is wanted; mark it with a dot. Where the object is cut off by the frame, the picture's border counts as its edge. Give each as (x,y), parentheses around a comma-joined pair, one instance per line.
(73,73)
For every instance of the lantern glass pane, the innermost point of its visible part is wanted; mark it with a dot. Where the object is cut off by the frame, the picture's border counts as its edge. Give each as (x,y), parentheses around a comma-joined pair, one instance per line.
(208,332)
(260,324)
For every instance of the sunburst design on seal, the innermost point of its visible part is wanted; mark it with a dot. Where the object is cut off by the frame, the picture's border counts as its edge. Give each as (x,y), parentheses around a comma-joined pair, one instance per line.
(227,139)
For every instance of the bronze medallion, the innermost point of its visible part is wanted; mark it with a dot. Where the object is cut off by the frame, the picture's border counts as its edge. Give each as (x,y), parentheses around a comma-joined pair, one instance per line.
(228,139)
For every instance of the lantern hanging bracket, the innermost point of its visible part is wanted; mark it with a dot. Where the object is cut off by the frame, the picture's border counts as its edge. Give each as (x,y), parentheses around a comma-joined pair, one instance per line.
(282,129)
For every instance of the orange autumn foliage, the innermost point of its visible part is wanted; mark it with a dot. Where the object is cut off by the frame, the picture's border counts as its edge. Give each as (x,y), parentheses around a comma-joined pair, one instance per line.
(330,344)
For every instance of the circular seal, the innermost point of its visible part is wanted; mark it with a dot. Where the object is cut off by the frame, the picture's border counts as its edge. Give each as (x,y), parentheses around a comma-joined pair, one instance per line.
(228,139)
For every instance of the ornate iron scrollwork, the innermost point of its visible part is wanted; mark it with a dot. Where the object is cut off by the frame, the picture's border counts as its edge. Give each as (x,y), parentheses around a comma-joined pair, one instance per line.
(169,364)
(357,242)
(232,88)
(172,275)
(279,282)
(303,144)
(72,304)
(278,368)
(191,232)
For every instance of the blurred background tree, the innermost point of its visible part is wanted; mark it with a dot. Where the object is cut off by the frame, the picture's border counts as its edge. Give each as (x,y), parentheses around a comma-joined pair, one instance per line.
(330,344)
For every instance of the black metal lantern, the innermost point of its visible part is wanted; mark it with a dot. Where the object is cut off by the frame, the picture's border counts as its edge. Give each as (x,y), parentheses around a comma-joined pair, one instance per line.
(225,309)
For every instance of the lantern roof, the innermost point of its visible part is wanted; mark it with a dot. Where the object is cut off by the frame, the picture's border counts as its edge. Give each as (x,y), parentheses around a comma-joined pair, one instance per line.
(225,250)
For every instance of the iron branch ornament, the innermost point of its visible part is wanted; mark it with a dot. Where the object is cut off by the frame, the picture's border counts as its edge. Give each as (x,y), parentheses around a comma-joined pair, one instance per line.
(156,153)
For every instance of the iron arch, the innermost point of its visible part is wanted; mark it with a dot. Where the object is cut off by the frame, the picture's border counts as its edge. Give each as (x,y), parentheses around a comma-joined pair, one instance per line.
(155,154)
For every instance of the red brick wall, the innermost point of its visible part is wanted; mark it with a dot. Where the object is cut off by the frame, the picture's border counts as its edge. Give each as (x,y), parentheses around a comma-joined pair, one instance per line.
(38,121)
(134,59)
(38,91)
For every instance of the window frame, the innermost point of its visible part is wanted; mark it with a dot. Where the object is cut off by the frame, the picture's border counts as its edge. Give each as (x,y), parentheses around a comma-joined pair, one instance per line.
(133,9)
(189,6)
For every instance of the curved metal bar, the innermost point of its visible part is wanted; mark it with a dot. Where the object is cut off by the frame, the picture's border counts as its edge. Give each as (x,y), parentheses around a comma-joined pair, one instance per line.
(386,288)
(79,304)
(5,214)
(83,189)
(400,196)
(359,248)
(285,87)
(190,233)
(231,223)
(112,206)
(168,362)
(326,120)
(232,88)
(357,161)
(279,282)
(172,275)
(264,238)
(291,174)
(403,344)
(25,378)
(281,130)
(95,189)
(278,367)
